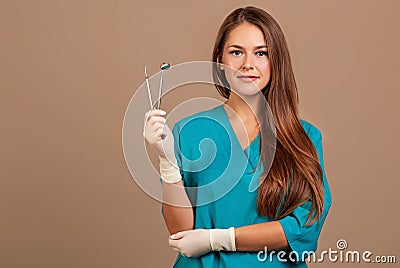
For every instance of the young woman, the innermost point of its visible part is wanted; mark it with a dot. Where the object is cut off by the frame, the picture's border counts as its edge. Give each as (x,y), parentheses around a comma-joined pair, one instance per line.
(286,212)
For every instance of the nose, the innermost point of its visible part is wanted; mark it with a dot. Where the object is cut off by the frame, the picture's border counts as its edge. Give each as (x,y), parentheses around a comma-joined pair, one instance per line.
(248,63)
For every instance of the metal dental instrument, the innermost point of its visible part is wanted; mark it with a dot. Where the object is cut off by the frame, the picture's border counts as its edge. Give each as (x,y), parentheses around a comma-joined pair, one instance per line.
(163,66)
(148,86)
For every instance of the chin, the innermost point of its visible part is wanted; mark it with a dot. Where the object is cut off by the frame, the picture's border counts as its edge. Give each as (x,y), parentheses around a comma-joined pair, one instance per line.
(247,90)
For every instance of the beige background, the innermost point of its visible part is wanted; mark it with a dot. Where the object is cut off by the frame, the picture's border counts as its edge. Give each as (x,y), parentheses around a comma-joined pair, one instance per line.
(70,68)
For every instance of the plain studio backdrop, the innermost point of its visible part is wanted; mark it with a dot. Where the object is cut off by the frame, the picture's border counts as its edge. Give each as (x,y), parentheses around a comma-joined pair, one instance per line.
(70,68)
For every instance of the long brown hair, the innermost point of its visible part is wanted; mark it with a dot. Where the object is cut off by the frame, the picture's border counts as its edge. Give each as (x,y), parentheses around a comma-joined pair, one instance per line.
(295,175)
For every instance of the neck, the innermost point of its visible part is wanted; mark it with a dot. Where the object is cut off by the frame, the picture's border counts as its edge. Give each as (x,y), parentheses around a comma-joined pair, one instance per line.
(245,109)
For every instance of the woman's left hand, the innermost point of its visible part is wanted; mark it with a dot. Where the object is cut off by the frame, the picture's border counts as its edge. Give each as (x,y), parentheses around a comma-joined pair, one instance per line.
(191,243)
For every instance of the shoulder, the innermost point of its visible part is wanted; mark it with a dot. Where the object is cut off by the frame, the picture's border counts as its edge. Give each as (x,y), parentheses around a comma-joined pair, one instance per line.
(312,131)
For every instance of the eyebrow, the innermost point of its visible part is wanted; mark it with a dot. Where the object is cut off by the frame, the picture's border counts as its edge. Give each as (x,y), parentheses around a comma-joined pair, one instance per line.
(256,47)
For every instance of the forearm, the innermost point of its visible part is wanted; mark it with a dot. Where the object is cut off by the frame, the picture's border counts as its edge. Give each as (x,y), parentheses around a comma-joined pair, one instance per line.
(258,236)
(193,243)
(177,217)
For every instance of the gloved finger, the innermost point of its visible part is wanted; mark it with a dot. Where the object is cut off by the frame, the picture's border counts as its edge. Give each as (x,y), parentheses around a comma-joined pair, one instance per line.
(156,119)
(157,126)
(166,130)
(178,235)
(173,243)
(146,115)
(149,114)
(159,132)
(155,112)
(152,121)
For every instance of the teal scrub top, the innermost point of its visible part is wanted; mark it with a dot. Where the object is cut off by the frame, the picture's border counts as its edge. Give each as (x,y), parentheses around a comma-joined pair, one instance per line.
(209,155)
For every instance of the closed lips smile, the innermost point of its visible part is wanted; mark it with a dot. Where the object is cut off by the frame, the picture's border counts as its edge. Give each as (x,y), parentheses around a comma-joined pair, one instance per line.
(247,76)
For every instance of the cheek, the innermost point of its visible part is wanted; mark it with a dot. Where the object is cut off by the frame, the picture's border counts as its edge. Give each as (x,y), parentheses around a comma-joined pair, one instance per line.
(266,77)
(268,68)
(232,62)
(264,67)
(229,74)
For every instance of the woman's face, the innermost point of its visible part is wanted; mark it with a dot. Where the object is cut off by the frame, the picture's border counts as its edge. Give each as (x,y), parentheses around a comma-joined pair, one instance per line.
(246,52)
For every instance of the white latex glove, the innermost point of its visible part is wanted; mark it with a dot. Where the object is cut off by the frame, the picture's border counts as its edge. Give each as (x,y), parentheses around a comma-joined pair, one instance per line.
(153,131)
(159,136)
(197,242)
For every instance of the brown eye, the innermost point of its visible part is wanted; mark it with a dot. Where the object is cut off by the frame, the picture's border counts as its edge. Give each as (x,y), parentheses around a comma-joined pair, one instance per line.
(262,53)
(235,52)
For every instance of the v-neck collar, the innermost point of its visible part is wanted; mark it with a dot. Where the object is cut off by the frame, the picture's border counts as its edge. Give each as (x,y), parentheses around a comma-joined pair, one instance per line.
(235,141)
(225,115)
(239,162)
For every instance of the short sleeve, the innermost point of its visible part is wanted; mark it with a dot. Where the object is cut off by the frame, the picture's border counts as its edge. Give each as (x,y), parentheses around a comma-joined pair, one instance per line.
(303,239)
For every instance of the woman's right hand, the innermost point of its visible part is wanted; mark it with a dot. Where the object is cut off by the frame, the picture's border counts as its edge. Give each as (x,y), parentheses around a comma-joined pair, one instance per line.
(158,134)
